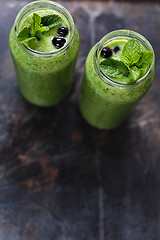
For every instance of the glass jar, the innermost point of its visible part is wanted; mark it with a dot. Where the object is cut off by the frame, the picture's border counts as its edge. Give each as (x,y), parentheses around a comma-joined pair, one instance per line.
(104,102)
(44,78)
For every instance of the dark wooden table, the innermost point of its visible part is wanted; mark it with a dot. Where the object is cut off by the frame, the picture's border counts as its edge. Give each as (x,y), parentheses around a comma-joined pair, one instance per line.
(60,178)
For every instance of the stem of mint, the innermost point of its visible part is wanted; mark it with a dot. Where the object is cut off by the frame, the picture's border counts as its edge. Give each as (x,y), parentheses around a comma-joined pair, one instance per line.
(39,25)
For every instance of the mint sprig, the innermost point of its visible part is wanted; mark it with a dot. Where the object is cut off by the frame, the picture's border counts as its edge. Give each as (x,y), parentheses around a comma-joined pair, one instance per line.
(39,25)
(134,60)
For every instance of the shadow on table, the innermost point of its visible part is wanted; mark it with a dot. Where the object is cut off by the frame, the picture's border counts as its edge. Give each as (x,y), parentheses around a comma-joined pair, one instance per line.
(82,171)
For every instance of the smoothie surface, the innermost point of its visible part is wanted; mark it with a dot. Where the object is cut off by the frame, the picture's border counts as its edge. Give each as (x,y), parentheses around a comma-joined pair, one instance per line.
(44,43)
(112,45)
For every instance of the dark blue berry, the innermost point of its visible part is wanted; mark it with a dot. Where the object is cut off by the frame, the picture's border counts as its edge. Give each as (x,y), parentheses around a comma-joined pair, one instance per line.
(106,52)
(58,42)
(116,49)
(62,31)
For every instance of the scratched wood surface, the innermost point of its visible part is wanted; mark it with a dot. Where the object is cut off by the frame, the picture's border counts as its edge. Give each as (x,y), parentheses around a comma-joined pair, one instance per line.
(61,179)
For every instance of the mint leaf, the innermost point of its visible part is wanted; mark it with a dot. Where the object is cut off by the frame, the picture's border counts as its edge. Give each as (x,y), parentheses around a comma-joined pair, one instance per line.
(37,27)
(134,72)
(25,35)
(51,20)
(114,68)
(145,59)
(131,52)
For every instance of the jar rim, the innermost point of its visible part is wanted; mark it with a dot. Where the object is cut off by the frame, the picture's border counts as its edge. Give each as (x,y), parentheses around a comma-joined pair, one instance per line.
(120,34)
(47,5)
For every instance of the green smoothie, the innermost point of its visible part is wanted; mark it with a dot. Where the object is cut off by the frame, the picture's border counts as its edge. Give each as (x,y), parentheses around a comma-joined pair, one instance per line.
(116,78)
(44,44)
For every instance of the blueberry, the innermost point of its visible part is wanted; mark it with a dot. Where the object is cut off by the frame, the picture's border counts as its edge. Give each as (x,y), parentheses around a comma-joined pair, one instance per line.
(62,31)
(116,49)
(106,52)
(58,42)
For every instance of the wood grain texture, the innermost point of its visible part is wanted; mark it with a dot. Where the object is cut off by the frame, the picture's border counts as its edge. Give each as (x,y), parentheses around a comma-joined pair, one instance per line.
(62,179)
